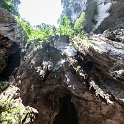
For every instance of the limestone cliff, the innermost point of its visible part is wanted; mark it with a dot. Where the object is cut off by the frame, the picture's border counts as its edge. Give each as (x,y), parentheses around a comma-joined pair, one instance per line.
(68,80)
(100,14)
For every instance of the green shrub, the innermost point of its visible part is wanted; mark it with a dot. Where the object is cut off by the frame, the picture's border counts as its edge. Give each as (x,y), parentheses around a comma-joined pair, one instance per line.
(65,26)
(12,111)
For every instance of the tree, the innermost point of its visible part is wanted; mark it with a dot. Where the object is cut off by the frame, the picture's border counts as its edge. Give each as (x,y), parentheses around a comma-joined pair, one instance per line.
(64,26)
(79,23)
(11,7)
(25,25)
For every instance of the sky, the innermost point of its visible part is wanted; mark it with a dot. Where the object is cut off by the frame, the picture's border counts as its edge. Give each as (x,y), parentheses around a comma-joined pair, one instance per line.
(40,11)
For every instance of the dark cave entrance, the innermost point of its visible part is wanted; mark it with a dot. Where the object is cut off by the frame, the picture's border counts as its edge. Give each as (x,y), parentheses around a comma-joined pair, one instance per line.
(12,62)
(67,113)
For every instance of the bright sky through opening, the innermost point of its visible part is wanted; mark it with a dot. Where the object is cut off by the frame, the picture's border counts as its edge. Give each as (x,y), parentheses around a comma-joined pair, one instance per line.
(40,11)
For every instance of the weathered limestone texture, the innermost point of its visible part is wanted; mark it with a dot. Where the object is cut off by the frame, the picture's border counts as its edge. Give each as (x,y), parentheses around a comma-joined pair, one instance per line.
(100,15)
(12,41)
(69,86)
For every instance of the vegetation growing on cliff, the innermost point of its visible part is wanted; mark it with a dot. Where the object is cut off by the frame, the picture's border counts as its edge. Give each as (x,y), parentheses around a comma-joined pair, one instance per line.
(41,32)
(44,31)
(11,6)
(79,23)
(12,111)
(65,26)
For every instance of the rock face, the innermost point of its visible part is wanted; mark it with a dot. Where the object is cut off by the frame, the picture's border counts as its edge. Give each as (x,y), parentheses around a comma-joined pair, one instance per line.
(11,35)
(6,17)
(12,109)
(116,18)
(74,86)
(100,15)
(107,57)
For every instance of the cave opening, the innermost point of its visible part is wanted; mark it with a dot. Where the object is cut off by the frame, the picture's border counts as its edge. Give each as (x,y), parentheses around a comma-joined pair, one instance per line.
(67,113)
(13,62)
(86,65)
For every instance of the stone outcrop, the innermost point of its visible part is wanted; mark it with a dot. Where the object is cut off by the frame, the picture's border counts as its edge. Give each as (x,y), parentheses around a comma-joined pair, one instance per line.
(115,19)
(107,57)
(6,17)
(116,35)
(7,36)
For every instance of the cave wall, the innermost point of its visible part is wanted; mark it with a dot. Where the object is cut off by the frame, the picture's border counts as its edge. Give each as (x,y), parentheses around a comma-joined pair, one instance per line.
(115,19)
(52,81)
(12,41)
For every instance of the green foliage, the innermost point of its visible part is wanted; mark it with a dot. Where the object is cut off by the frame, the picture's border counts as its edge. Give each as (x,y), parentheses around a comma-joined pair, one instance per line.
(38,33)
(9,114)
(78,67)
(79,23)
(122,38)
(42,32)
(25,25)
(94,12)
(65,26)
(15,3)
(81,34)
(74,45)
(12,110)
(7,4)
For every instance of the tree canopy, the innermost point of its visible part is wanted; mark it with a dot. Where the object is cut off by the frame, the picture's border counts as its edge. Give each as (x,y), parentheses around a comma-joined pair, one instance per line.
(65,26)
(79,23)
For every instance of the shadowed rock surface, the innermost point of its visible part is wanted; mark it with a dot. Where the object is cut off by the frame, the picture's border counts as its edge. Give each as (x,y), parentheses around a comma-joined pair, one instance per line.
(74,86)
(12,40)
(12,109)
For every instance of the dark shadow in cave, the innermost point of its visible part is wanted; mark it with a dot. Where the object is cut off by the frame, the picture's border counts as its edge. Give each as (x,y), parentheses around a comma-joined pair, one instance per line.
(46,76)
(86,65)
(67,113)
(12,63)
